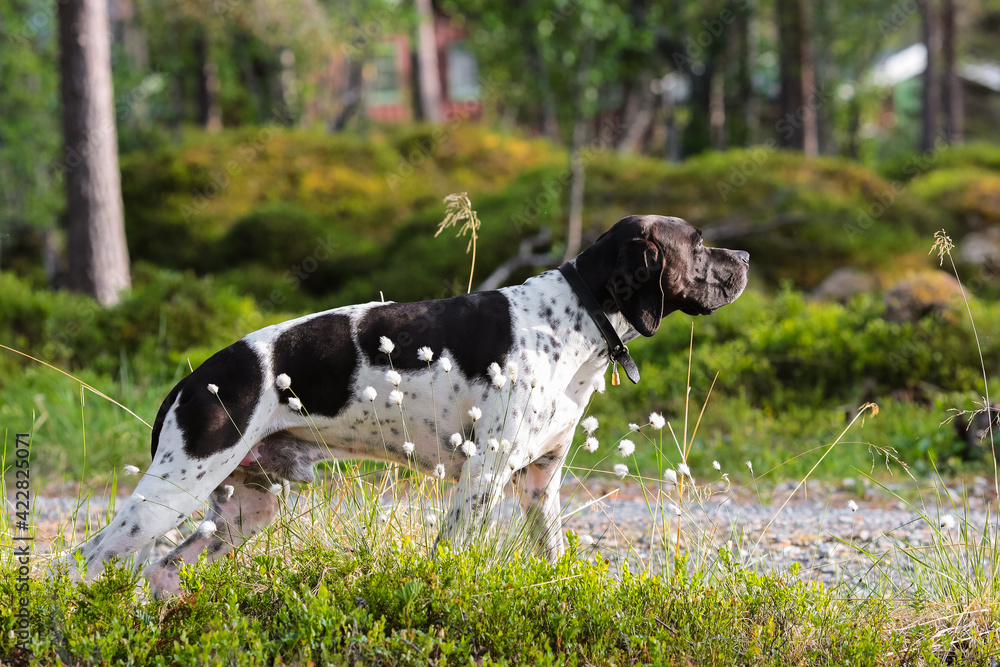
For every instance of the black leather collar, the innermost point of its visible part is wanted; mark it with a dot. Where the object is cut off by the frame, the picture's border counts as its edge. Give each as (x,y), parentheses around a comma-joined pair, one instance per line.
(619,353)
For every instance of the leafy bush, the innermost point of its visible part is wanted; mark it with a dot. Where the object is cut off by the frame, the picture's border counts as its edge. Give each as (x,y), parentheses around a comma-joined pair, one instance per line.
(908,165)
(331,608)
(968,197)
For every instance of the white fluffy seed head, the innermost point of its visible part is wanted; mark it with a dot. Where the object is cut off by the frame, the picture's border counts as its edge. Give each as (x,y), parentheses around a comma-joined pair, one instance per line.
(469,448)
(626,448)
(533,382)
(496,375)
(385,345)
(948,522)
(621,470)
(276,489)
(295,404)
(139,498)
(853,505)
(634,427)
(213,389)
(494,445)
(512,370)
(600,384)
(393,378)
(675,508)
(207,527)
(591,444)
(370,393)
(456,439)
(431,519)
(230,490)
(445,364)
(396,397)
(439,471)
(505,446)
(717,465)
(408,448)
(586,541)
(669,476)
(476,414)
(131,470)
(283,381)
(383,517)
(425,354)
(683,469)
(657,420)
(750,466)
(589,425)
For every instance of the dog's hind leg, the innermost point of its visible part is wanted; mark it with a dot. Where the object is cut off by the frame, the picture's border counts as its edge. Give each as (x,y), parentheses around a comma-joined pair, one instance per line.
(240,507)
(156,506)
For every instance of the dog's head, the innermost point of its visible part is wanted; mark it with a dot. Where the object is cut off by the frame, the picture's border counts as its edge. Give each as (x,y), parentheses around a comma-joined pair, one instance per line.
(648,266)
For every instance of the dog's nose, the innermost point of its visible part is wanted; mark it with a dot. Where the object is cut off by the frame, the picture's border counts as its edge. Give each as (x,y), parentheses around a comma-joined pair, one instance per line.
(743,255)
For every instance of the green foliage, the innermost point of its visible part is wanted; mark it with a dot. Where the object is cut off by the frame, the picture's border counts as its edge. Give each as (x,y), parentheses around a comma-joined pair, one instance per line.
(29,120)
(332,608)
(779,206)
(909,165)
(966,195)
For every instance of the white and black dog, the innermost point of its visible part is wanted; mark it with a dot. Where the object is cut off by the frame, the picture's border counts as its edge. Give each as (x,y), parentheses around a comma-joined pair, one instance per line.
(234,427)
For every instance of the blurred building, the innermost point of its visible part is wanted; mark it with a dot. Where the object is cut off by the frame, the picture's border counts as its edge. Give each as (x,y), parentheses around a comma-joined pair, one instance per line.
(386,89)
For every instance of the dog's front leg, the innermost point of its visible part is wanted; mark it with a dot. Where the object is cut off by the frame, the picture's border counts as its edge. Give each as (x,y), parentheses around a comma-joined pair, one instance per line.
(541,504)
(479,491)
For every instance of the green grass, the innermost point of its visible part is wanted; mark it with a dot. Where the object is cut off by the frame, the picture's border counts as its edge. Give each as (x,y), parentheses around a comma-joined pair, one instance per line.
(325,607)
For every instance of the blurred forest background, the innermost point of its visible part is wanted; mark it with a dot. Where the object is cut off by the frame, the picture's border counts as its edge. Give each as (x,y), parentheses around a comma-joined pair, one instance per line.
(175,174)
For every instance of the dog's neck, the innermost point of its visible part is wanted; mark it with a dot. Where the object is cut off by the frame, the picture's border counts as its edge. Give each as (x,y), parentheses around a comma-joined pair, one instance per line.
(588,336)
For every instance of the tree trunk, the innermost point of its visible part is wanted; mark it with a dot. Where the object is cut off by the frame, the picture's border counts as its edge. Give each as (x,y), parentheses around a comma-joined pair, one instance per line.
(739,96)
(797,124)
(954,109)
(351,99)
(932,82)
(638,116)
(427,64)
(574,231)
(550,113)
(98,256)
(209,108)
(696,137)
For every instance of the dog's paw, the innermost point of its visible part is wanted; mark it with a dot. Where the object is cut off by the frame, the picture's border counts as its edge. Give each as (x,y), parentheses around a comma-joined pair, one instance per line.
(164,579)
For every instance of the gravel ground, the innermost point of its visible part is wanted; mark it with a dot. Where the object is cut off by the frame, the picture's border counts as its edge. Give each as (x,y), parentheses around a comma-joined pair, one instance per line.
(818,531)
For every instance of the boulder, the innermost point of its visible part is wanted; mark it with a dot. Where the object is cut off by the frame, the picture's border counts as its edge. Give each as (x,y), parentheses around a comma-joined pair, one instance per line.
(921,294)
(844,283)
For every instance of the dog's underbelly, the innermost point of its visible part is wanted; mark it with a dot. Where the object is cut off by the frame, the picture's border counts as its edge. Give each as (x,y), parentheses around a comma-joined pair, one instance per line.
(369,430)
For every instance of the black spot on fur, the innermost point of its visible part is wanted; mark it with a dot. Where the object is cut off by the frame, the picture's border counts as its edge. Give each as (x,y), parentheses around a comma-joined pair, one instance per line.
(446,323)
(135,530)
(208,427)
(318,357)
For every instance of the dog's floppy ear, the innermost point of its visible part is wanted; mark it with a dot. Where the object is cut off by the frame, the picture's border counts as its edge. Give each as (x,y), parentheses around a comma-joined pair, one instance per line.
(636,287)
